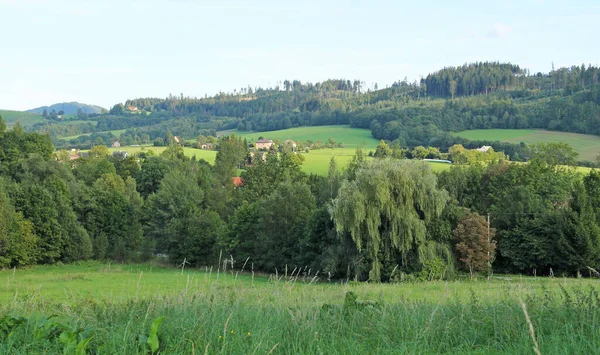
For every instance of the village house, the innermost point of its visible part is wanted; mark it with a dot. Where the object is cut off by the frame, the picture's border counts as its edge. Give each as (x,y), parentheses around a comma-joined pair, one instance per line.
(483,149)
(207,146)
(116,144)
(292,143)
(263,144)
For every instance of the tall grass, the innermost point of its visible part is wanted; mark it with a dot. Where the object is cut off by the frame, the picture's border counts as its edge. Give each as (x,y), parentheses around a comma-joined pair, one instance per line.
(233,315)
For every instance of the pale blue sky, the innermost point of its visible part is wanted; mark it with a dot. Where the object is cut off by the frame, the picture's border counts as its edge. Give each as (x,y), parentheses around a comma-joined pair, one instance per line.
(104,52)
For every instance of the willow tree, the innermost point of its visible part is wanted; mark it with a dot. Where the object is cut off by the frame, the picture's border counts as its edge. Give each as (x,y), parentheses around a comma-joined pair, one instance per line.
(386,209)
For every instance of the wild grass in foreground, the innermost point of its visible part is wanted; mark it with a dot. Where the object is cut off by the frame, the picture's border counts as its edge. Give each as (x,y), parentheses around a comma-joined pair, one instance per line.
(235,315)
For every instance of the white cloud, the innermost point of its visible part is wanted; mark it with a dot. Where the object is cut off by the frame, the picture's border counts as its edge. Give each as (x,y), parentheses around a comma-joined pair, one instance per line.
(499,30)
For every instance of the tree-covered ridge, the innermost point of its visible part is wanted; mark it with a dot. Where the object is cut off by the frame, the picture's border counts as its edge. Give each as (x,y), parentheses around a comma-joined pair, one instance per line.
(473,96)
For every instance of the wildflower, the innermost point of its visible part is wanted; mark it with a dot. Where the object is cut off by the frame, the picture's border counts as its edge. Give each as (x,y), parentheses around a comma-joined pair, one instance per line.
(220,337)
(248,333)
(231,331)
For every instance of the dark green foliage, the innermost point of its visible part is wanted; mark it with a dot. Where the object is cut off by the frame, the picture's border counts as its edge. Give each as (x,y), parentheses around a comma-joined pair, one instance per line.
(176,219)
(113,218)
(18,243)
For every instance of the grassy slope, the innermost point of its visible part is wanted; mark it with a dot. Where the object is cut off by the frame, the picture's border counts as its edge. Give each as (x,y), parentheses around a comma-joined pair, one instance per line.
(26,118)
(116,133)
(587,146)
(350,137)
(216,312)
(208,155)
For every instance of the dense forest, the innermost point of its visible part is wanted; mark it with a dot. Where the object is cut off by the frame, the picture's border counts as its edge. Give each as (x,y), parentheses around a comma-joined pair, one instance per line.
(472,96)
(380,219)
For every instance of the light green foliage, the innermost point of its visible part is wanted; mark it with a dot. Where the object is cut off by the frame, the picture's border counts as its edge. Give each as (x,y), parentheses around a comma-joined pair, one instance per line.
(383,150)
(554,154)
(459,155)
(386,210)
(585,144)
(420,152)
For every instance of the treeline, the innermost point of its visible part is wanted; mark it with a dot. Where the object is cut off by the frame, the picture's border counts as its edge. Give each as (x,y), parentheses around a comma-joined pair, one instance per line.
(382,218)
(473,96)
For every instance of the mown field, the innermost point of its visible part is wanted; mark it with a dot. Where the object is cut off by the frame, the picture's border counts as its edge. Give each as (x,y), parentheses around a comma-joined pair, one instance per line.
(208,155)
(26,118)
(587,146)
(350,137)
(111,308)
(116,133)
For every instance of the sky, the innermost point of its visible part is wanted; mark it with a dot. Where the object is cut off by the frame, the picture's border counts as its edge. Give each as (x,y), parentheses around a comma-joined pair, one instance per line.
(105,52)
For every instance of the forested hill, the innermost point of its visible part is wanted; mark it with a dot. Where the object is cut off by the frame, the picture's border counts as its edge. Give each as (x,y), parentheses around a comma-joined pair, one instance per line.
(472,96)
(68,108)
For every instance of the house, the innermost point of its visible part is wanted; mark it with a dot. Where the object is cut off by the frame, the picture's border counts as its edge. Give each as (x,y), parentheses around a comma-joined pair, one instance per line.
(73,156)
(483,149)
(133,108)
(207,146)
(84,155)
(116,144)
(177,140)
(263,144)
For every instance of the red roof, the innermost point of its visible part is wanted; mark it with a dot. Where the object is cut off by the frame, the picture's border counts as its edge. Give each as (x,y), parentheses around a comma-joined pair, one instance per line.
(238,181)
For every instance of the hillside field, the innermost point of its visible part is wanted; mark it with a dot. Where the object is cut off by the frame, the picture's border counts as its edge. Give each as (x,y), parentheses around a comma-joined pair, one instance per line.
(316,161)
(116,133)
(212,311)
(26,118)
(350,137)
(588,146)
(208,155)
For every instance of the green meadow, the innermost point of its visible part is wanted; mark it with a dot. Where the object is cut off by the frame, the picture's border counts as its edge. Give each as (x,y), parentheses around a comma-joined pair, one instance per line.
(350,137)
(208,155)
(588,146)
(116,133)
(99,308)
(26,118)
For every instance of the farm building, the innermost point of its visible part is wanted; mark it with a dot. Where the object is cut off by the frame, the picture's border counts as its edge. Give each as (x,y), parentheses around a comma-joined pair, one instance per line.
(263,144)
(483,149)
(116,144)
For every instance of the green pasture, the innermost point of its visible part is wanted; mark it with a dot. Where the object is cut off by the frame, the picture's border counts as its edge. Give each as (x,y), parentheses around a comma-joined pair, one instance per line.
(26,118)
(350,137)
(208,155)
(111,308)
(116,133)
(588,146)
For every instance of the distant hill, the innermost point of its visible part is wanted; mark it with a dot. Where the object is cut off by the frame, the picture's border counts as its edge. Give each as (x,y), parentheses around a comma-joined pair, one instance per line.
(26,118)
(69,108)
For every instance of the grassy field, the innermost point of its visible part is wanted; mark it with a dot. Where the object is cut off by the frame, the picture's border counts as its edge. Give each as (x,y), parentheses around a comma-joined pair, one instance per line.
(350,137)
(105,308)
(208,155)
(116,133)
(26,118)
(587,146)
